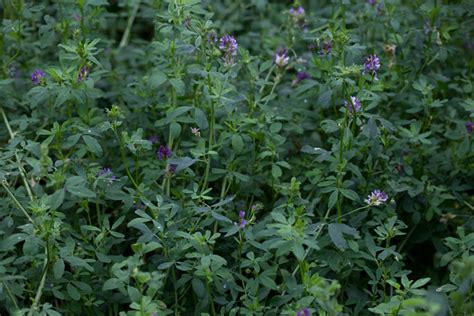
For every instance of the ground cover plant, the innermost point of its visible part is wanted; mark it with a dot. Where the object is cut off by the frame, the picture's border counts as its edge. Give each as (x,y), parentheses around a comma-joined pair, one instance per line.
(257,157)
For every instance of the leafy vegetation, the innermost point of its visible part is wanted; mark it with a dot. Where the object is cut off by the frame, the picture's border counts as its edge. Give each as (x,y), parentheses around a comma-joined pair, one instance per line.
(199,157)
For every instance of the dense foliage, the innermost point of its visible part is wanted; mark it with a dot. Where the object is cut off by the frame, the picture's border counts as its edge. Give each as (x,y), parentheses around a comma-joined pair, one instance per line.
(257,157)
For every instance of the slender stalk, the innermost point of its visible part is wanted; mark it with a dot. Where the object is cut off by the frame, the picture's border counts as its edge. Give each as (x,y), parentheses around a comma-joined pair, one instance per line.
(11,296)
(211,136)
(124,160)
(39,292)
(20,168)
(175,290)
(5,185)
(275,83)
(213,308)
(131,19)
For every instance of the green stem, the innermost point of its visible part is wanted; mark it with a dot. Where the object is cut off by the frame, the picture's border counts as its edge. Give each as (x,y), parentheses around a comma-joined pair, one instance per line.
(131,19)
(11,296)
(211,136)
(97,207)
(5,185)
(275,83)
(124,160)
(39,292)
(213,308)
(175,290)
(20,168)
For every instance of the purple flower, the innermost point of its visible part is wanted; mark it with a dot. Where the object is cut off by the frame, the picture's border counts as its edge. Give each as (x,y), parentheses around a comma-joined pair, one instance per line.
(469,128)
(228,45)
(377,197)
(163,152)
(83,74)
(326,47)
(37,76)
(108,174)
(353,104)
(154,139)
(243,221)
(372,65)
(212,37)
(300,76)
(297,12)
(104,172)
(372,2)
(171,168)
(281,58)
(303,312)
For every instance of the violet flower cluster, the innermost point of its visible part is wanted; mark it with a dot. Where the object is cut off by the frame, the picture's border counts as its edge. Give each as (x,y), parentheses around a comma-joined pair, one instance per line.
(37,77)
(353,105)
(377,197)
(163,152)
(243,221)
(228,45)
(297,13)
(83,74)
(372,65)
(326,47)
(154,139)
(300,76)
(107,174)
(171,168)
(303,312)
(469,126)
(281,58)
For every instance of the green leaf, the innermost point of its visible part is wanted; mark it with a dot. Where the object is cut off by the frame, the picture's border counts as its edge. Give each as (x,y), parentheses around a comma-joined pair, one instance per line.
(201,119)
(275,127)
(267,281)
(77,186)
(175,130)
(56,199)
(182,163)
(73,292)
(332,199)
(157,79)
(420,283)
(78,262)
(298,251)
(336,232)
(178,85)
(276,171)
(220,217)
(351,195)
(134,293)
(111,284)
(237,143)
(92,144)
(58,269)
(329,126)
(198,287)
